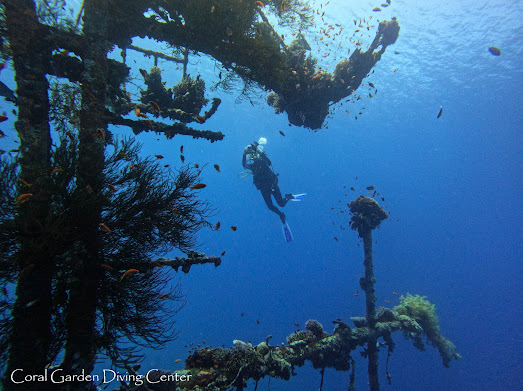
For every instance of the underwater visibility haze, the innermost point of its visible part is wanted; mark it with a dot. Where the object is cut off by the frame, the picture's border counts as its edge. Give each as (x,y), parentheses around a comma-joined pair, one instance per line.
(284,194)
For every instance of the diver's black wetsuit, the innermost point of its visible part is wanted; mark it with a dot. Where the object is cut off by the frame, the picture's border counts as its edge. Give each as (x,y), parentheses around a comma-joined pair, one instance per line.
(265,180)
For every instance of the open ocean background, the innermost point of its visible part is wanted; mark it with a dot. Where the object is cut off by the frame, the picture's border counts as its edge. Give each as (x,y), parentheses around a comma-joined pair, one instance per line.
(452,185)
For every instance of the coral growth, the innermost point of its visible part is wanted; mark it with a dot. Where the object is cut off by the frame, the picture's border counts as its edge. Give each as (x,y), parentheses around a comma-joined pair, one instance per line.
(424,312)
(366,214)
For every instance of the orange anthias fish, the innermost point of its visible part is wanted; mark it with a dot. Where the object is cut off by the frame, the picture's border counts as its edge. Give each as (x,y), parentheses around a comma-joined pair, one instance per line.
(155,106)
(26,270)
(260,4)
(24,182)
(234,228)
(198,186)
(137,112)
(217,168)
(105,227)
(56,170)
(23,198)
(164,296)
(129,272)
(111,187)
(107,267)
(199,119)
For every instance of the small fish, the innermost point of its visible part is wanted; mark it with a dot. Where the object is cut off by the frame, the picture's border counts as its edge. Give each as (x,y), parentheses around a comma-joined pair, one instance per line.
(377,9)
(177,360)
(440,111)
(242,314)
(283,134)
(387,301)
(3,118)
(382,198)
(198,186)
(137,112)
(107,267)
(296,324)
(357,293)
(196,165)
(101,134)
(199,119)
(158,156)
(259,4)
(217,226)
(182,158)
(2,134)
(23,198)
(143,72)
(166,166)
(122,154)
(495,51)
(128,272)
(24,182)
(396,294)
(134,166)
(394,70)
(32,303)
(352,188)
(234,228)
(105,227)
(370,187)
(165,296)
(217,168)
(181,148)
(142,115)
(155,106)
(111,187)
(370,84)
(223,253)
(26,270)
(257,321)
(336,239)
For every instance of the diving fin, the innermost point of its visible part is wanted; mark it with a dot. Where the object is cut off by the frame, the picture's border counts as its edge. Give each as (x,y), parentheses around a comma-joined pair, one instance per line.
(287,234)
(298,197)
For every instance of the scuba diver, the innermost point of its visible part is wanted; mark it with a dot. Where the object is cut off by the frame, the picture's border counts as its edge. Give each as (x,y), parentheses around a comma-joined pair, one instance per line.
(266,181)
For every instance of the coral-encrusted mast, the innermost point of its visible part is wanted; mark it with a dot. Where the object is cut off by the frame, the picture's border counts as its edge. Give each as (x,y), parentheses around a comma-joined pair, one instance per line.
(366,216)
(221,369)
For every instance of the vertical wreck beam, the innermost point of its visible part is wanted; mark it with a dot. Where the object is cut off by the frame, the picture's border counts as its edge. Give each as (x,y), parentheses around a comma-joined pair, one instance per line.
(30,337)
(367,284)
(81,347)
(366,216)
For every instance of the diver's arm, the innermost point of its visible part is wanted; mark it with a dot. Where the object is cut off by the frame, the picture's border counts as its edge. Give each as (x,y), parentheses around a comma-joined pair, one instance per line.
(244,158)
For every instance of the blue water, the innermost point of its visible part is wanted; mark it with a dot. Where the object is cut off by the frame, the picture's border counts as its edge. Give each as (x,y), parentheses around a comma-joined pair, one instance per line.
(452,186)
